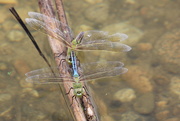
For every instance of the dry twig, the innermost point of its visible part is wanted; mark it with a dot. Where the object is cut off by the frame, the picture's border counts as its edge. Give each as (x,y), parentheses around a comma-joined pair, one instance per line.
(81,114)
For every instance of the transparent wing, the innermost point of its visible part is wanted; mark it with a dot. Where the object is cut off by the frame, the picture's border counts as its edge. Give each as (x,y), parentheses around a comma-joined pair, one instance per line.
(94,35)
(45,76)
(104,45)
(105,74)
(103,69)
(52,29)
(99,40)
(100,66)
(51,21)
(87,72)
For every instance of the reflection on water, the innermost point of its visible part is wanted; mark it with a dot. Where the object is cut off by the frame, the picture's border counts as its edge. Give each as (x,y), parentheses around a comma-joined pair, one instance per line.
(150,87)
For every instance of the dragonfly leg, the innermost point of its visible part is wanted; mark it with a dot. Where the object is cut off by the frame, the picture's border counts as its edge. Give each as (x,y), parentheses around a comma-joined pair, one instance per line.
(88,99)
(85,88)
(76,100)
(78,63)
(72,99)
(61,62)
(74,96)
(57,55)
(69,90)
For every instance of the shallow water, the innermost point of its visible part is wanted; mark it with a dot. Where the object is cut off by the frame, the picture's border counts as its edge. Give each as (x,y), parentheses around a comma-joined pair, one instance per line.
(150,87)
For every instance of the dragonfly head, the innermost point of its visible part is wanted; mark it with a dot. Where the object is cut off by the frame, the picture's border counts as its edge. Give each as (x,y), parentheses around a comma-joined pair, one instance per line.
(78,39)
(74,42)
(78,92)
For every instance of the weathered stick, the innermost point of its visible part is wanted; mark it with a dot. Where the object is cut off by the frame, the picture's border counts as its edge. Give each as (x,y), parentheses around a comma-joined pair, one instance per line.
(89,111)
(58,48)
(62,16)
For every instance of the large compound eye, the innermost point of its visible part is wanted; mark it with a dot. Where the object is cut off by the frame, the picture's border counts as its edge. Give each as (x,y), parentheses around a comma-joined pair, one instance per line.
(79,93)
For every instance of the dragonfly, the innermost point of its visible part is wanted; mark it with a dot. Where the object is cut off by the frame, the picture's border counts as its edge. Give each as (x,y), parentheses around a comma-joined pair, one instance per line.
(84,41)
(86,72)
(90,40)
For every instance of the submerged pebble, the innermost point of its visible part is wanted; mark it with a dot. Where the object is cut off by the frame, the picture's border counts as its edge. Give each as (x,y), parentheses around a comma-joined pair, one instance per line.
(83,27)
(144,46)
(9,25)
(25,84)
(21,67)
(94,1)
(5,97)
(106,118)
(15,35)
(138,77)
(8,1)
(3,66)
(167,50)
(144,104)
(175,86)
(134,34)
(3,15)
(30,91)
(97,13)
(161,116)
(130,1)
(5,49)
(129,116)
(172,119)
(125,95)
(5,102)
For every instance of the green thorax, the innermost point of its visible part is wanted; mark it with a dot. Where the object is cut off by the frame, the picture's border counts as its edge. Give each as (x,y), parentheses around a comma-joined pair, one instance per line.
(78,89)
(76,78)
(77,85)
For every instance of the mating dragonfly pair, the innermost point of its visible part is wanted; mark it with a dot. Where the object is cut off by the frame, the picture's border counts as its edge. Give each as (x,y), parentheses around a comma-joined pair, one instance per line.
(85,41)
